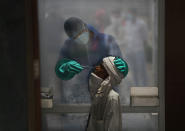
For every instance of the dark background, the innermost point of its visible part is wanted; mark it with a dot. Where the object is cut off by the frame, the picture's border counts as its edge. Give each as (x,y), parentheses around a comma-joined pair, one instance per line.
(13,90)
(175,65)
(17,27)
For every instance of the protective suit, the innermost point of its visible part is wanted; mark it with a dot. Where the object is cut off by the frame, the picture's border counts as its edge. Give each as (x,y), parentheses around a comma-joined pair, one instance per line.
(101,45)
(105,113)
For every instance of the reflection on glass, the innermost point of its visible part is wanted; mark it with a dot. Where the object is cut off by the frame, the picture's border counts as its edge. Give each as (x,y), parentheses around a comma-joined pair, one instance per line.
(65,122)
(77,122)
(133,24)
(140,121)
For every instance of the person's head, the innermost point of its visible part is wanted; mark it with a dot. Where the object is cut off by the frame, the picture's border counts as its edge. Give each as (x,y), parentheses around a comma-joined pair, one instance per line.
(132,14)
(133,11)
(116,13)
(100,16)
(76,30)
(115,17)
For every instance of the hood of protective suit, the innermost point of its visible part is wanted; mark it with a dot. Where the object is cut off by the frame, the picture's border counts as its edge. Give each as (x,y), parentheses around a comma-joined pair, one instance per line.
(96,83)
(115,75)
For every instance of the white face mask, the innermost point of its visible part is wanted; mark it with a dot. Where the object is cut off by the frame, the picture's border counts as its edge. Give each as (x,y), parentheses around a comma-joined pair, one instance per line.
(83,38)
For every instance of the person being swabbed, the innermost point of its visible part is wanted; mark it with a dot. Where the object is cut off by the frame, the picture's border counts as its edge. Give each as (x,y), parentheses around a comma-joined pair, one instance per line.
(95,61)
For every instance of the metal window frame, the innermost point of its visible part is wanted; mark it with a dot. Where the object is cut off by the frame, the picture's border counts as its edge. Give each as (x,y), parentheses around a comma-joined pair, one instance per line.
(85,108)
(161,63)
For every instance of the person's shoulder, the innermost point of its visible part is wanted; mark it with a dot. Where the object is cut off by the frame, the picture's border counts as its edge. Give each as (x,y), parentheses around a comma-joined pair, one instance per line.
(65,45)
(106,36)
(141,21)
(67,41)
(109,38)
(64,50)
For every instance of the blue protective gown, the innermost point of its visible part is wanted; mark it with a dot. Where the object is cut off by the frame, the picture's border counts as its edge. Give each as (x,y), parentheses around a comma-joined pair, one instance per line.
(101,45)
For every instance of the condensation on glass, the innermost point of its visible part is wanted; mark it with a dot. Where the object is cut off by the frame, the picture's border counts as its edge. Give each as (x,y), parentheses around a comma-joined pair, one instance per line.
(133,24)
(77,122)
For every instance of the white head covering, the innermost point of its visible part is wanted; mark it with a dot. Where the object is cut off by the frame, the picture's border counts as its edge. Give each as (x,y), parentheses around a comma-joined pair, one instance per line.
(98,84)
(115,75)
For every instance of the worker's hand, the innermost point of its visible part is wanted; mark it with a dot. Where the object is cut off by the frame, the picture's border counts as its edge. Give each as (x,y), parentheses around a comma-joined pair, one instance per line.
(71,67)
(121,65)
(66,69)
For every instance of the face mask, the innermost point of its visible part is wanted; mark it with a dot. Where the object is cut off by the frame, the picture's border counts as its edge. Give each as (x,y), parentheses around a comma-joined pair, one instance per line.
(83,38)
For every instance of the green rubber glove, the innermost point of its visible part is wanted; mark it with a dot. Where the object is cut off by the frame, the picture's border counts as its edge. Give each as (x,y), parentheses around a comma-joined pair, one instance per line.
(121,65)
(66,69)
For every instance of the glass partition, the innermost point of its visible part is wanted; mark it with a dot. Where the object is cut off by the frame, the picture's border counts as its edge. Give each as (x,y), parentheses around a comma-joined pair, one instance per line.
(134,26)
